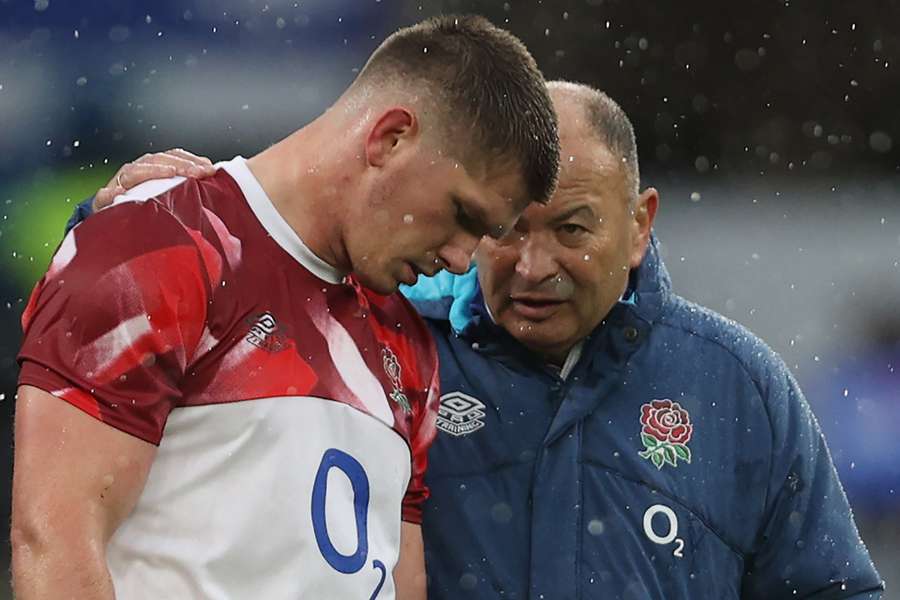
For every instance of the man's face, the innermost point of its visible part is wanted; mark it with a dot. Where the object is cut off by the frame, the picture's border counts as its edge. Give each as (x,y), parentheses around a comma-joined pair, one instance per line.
(425,213)
(564,266)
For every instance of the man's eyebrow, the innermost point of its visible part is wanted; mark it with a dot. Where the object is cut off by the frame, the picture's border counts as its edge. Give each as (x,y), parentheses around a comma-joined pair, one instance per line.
(581,209)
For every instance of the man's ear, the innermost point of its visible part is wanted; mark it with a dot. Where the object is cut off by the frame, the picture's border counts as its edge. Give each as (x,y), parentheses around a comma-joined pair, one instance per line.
(393,126)
(644,214)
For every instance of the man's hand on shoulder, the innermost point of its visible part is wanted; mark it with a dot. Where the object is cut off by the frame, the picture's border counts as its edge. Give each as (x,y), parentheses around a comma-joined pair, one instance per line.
(158,165)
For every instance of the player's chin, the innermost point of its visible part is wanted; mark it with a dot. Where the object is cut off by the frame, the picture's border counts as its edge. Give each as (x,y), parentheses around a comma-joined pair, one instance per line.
(383,283)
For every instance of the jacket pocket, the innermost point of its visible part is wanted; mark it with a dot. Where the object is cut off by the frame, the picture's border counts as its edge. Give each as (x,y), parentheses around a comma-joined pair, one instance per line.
(637,542)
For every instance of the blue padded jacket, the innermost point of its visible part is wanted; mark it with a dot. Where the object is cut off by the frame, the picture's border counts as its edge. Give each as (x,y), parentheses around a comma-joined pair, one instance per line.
(676,459)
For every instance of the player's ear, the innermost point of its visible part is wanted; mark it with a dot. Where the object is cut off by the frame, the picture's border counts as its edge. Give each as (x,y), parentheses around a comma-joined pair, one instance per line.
(390,129)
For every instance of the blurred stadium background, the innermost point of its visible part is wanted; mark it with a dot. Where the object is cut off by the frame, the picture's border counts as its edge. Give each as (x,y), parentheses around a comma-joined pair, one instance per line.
(771,130)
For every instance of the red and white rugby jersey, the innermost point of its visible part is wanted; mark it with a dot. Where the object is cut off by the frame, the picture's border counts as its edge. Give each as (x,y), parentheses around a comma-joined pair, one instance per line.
(293,409)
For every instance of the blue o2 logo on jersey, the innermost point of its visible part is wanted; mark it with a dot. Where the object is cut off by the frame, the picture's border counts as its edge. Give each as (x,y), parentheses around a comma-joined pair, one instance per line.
(359,482)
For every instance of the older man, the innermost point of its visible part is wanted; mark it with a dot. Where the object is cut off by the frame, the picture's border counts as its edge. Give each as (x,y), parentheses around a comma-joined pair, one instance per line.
(601,437)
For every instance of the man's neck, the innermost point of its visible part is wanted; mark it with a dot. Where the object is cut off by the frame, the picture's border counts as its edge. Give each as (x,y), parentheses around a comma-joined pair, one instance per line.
(303,181)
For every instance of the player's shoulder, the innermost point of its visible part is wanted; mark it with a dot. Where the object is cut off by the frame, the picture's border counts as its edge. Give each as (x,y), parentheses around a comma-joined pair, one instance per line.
(145,212)
(160,225)
(184,198)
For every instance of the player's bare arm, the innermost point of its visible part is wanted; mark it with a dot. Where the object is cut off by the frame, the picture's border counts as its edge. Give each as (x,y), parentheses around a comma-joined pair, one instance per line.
(409,574)
(75,480)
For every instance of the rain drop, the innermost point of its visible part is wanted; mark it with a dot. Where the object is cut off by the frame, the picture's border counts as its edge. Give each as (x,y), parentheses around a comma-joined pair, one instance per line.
(880,142)
(596,527)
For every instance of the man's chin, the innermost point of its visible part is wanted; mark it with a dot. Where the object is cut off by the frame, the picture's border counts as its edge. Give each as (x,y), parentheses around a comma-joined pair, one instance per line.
(530,332)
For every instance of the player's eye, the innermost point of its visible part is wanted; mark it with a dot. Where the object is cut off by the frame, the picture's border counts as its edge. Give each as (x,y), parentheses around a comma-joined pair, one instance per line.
(467,222)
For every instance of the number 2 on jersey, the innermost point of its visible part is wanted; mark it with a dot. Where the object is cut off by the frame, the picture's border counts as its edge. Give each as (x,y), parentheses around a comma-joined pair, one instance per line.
(359,482)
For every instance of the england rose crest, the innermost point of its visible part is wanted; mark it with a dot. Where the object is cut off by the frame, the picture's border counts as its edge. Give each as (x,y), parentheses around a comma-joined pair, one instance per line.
(392,368)
(665,431)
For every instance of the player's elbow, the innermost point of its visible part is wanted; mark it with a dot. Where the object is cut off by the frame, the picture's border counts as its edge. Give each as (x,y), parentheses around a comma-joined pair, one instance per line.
(31,547)
(42,548)
(29,538)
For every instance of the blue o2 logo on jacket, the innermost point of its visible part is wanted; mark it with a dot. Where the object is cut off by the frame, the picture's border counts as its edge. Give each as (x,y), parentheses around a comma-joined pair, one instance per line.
(359,481)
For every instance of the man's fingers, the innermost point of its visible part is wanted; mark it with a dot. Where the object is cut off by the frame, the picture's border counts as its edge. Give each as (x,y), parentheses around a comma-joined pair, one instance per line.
(184,167)
(190,156)
(156,165)
(136,173)
(105,196)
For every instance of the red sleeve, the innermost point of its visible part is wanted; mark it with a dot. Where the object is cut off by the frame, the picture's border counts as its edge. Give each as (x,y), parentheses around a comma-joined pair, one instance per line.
(113,325)
(421,437)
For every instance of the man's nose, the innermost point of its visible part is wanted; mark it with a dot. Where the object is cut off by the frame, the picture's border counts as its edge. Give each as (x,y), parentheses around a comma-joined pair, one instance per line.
(457,254)
(535,263)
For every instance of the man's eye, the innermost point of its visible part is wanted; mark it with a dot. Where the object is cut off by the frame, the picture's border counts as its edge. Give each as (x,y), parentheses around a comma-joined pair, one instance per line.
(572,229)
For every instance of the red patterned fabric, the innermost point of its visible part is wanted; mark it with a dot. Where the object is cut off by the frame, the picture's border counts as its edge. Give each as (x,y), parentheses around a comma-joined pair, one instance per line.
(186,300)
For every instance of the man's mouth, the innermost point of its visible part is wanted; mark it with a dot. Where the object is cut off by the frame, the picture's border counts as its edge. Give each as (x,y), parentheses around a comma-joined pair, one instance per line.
(535,307)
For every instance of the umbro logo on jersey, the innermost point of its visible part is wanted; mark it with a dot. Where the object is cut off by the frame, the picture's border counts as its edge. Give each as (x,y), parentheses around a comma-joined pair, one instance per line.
(265,334)
(460,414)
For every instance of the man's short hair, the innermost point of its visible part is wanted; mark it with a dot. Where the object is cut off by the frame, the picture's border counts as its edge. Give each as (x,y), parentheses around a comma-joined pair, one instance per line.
(494,99)
(612,128)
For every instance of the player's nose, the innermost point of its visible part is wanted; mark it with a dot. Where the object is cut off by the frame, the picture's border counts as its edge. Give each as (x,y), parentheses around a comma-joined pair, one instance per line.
(456,259)
(457,253)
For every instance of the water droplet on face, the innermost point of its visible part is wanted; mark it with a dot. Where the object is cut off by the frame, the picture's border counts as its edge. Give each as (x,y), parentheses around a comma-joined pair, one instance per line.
(587,257)
(408,219)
